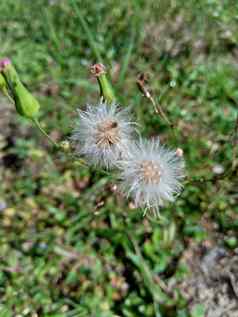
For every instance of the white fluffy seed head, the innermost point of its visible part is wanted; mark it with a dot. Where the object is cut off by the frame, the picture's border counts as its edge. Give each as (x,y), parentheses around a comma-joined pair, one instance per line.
(103,134)
(152,174)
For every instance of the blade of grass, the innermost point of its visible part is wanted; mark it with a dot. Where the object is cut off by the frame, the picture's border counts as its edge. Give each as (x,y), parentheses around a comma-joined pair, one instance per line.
(87,31)
(126,60)
(52,36)
(156,292)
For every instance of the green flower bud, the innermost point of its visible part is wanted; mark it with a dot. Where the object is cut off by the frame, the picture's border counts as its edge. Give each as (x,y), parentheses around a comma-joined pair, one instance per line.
(106,91)
(2,82)
(25,103)
(3,86)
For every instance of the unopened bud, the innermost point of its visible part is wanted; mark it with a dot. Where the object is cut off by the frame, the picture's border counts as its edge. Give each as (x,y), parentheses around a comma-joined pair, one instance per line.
(25,103)
(4,63)
(106,91)
(2,83)
(98,69)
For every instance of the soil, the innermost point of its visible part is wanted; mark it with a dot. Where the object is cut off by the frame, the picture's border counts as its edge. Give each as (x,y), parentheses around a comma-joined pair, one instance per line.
(213,281)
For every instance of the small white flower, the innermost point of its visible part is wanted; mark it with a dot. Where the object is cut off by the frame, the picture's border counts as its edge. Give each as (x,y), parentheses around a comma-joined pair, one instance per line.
(152,174)
(103,134)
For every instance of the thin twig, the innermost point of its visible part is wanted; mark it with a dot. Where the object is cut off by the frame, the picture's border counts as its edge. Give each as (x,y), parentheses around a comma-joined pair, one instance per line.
(141,83)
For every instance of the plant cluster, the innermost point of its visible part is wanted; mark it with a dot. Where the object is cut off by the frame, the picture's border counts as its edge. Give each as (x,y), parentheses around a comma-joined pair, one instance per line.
(106,136)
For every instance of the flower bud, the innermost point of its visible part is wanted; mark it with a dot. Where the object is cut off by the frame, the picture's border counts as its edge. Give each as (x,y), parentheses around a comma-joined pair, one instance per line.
(3,84)
(25,103)
(106,91)
(4,63)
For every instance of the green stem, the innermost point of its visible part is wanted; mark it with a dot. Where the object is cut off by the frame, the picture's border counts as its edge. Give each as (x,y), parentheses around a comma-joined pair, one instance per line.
(37,124)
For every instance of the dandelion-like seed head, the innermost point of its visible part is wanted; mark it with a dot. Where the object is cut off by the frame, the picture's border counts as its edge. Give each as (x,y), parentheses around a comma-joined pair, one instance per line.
(103,134)
(152,174)
(107,133)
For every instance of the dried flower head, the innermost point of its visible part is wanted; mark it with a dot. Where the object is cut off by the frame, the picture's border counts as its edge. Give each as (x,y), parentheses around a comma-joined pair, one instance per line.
(103,134)
(152,174)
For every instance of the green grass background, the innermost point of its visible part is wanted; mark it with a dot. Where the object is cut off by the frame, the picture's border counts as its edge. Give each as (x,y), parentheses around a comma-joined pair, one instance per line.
(71,245)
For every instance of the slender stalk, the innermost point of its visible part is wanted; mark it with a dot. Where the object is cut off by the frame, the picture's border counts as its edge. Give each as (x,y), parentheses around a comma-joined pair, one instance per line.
(37,124)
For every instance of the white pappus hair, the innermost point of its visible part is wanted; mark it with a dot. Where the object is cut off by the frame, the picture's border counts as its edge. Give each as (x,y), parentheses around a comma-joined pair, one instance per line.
(103,134)
(152,174)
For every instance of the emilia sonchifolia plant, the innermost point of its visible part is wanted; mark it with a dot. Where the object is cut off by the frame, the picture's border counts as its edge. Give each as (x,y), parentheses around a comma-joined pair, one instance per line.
(107,137)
